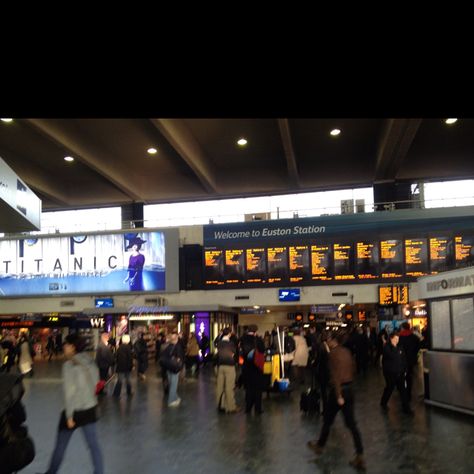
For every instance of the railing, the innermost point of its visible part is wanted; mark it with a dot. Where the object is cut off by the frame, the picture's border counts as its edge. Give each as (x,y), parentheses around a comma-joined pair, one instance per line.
(177,221)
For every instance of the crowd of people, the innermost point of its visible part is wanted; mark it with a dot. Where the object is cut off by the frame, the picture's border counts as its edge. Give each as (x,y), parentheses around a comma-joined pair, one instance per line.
(331,359)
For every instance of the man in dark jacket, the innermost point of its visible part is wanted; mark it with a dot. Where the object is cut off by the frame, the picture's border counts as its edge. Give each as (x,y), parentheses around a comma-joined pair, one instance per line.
(410,343)
(141,353)
(124,365)
(394,368)
(252,377)
(341,397)
(104,358)
(226,373)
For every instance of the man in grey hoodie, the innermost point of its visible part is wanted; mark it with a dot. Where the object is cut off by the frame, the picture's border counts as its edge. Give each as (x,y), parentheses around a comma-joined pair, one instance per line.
(80,376)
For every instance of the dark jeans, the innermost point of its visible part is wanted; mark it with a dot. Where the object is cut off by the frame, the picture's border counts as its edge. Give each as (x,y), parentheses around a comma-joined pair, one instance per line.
(253,396)
(349,419)
(324,387)
(104,373)
(409,381)
(62,441)
(122,377)
(392,381)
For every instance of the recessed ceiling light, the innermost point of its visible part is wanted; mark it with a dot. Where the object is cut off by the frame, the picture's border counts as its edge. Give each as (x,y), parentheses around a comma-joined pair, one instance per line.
(152,151)
(242,142)
(335,132)
(7,120)
(451,121)
(68,158)
(256,307)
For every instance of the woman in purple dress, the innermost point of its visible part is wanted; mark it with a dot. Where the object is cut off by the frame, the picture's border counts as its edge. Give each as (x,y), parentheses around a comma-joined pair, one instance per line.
(135,265)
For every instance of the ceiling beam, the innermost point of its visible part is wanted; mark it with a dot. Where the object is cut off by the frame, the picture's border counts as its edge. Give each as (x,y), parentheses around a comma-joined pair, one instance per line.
(89,154)
(185,144)
(284,126)
(395,142)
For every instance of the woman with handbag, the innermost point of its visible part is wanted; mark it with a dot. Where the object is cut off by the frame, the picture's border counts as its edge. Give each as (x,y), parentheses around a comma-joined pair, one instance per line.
(80,376)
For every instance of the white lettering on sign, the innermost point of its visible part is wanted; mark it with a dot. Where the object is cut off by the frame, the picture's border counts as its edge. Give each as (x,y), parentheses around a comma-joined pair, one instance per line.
(97,322)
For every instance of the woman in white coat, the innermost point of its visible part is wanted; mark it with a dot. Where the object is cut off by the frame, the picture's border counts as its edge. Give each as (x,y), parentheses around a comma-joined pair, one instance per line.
(300,360)
(25,352)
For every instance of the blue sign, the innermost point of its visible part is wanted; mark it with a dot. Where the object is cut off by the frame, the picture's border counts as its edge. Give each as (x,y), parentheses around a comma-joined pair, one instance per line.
(104,302)
(290,294)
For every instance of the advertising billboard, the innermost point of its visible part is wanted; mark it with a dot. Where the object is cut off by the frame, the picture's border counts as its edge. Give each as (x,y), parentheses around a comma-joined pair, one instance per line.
(84,264)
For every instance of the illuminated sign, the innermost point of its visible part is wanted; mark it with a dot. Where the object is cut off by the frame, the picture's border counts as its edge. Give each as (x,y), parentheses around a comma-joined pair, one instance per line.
(90,264)
(97,322)
(298,263)
(291,294)
(235,266)
(256,265)
(367,260)
(343,261)
(393,294)
(277,260)
(214,266)
(104,302)
(416,257)
(321,256)
(391,258)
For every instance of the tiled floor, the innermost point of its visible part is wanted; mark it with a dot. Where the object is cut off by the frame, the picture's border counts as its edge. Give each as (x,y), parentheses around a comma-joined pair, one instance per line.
(143,435)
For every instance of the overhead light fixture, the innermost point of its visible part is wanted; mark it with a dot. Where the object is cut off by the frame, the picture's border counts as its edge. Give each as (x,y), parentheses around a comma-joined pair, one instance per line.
(7,120)
(242,142)
(335,132)
(68,158)
(256,307)
(152,151)
(450,121)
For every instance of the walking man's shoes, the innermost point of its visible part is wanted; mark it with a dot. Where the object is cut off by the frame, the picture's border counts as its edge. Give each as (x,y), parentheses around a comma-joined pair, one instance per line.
(358,462)
(313,444)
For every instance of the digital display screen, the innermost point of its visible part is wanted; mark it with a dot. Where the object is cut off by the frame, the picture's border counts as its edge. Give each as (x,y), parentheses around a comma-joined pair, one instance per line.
(441,254)
(299,263)
(343,261)
(385,295)
(401,295)
(321,262)
(277,259)
(464,251)
(235,266)
(104,303)
(290,294)
(367,260)
(391,258)
(214,267)
(256,265)
(83,264)
(416,257)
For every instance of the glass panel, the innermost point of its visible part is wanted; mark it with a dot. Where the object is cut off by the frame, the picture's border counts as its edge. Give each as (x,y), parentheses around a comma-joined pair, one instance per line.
(463,324)
(440,327)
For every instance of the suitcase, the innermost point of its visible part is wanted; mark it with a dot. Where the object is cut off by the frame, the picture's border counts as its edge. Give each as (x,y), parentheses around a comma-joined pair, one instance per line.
(309,401)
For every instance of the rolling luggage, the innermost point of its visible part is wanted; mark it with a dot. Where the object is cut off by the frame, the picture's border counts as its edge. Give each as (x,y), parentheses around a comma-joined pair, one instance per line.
(310,400)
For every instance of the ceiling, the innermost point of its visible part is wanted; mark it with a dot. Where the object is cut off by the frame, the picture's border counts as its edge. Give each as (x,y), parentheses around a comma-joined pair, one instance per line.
(199,159)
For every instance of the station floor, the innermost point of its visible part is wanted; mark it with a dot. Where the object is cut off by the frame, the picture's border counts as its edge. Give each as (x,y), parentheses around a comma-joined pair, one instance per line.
(143,435)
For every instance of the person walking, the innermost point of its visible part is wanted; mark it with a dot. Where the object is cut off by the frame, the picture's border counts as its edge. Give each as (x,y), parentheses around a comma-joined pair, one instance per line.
(124,366)
(192,354)
(80,375)
(141,353)
(410,343)
(394,368)
(104,359)
(341,397)
(173,361)
(226,373)
(25,355)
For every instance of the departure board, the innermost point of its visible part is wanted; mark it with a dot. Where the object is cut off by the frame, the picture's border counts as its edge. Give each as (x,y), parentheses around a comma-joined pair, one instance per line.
(321,262)
(441,254)
(343,261)
(464,250)
(256,265)
(367,260)
(234,266)
(391,258)
(400,294)
(214,266)
(416,257)
(277,260)
(298,261)
(385,295)
(393,294)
